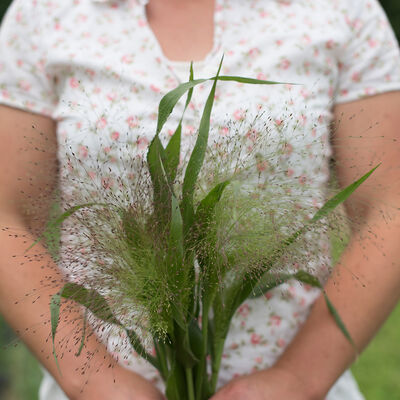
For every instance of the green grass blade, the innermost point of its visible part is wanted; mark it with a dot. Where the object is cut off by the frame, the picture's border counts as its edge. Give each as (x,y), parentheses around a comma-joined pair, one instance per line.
(253,81)
(138,347)
(91,299)
(172,152)
(305,277)
(54,224)
(169,101)
(341,197)
(173,148)
(176,383)
(176,234)
(78,353)
(207,205)
(156,159)
(339,321)
(197,158)
(54,319)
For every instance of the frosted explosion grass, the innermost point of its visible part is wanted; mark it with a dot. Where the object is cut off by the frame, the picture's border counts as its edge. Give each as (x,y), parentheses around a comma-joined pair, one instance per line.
(198,239)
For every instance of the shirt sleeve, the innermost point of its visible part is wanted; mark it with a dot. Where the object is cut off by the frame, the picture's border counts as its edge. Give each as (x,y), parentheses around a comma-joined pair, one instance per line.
(369,62)
(24,83)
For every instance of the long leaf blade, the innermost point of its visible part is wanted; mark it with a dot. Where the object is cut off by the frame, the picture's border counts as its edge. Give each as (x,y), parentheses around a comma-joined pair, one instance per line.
(173,148)
(341,196)
(55,223)
(169,101)
(197,157)
(252,81)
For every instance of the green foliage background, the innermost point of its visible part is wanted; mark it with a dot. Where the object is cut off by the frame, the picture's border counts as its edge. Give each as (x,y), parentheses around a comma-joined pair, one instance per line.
(377,370)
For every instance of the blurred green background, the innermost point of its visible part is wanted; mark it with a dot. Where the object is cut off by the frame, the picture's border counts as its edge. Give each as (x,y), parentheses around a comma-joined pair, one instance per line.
(377,370)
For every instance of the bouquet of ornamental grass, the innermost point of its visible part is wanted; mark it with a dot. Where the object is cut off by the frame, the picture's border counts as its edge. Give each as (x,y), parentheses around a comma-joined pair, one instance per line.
(180,261)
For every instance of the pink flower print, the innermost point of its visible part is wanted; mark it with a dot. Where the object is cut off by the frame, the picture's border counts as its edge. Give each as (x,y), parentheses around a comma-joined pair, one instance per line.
(264,14)
(244,310)
(330,44)
(288,149)
(154,88)
(106,182)
(238,114)
(142,142)
(306,39)
(132,121)
(107,149)
(290,172)
(279,42)
(20,63)
(281,343)
(74,83)
(223,130)
(275,320)
(252,135)
(101,123)
(127,59)
(189,131)
(356,77)
(24,85)
(262,165)
(90,72)
(369,91)
(261,76)
(278,122)
(268,295)
(18,17)
(92,176)
(255,339)
(111,97)
(304,93)
(97,90)
(142,22)
(372,43)
(258,360)
(115,135)
(254,52)
(83,151)
(291,291)
(5,94)
(285,64)
(302,179)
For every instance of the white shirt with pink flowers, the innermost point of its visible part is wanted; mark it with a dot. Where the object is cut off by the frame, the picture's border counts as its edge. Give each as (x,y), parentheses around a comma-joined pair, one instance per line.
(96,67)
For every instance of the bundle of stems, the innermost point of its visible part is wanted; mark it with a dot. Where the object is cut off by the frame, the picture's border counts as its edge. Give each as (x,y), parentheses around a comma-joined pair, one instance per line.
(186,264)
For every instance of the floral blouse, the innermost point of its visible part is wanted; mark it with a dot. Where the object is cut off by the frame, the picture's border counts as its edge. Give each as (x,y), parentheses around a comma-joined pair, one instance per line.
(96,67)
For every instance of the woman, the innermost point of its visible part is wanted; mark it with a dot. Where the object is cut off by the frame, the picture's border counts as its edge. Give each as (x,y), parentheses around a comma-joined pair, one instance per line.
(82,73)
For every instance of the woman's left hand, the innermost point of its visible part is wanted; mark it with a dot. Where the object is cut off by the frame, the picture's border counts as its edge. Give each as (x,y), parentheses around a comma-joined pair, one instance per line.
(271,384)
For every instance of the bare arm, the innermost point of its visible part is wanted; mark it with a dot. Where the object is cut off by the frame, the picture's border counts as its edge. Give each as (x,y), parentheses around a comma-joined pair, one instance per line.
(365,286)
(28,176)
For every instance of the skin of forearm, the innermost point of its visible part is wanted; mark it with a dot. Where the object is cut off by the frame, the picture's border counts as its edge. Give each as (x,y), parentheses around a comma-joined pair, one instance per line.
(27,283)
(364,288)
